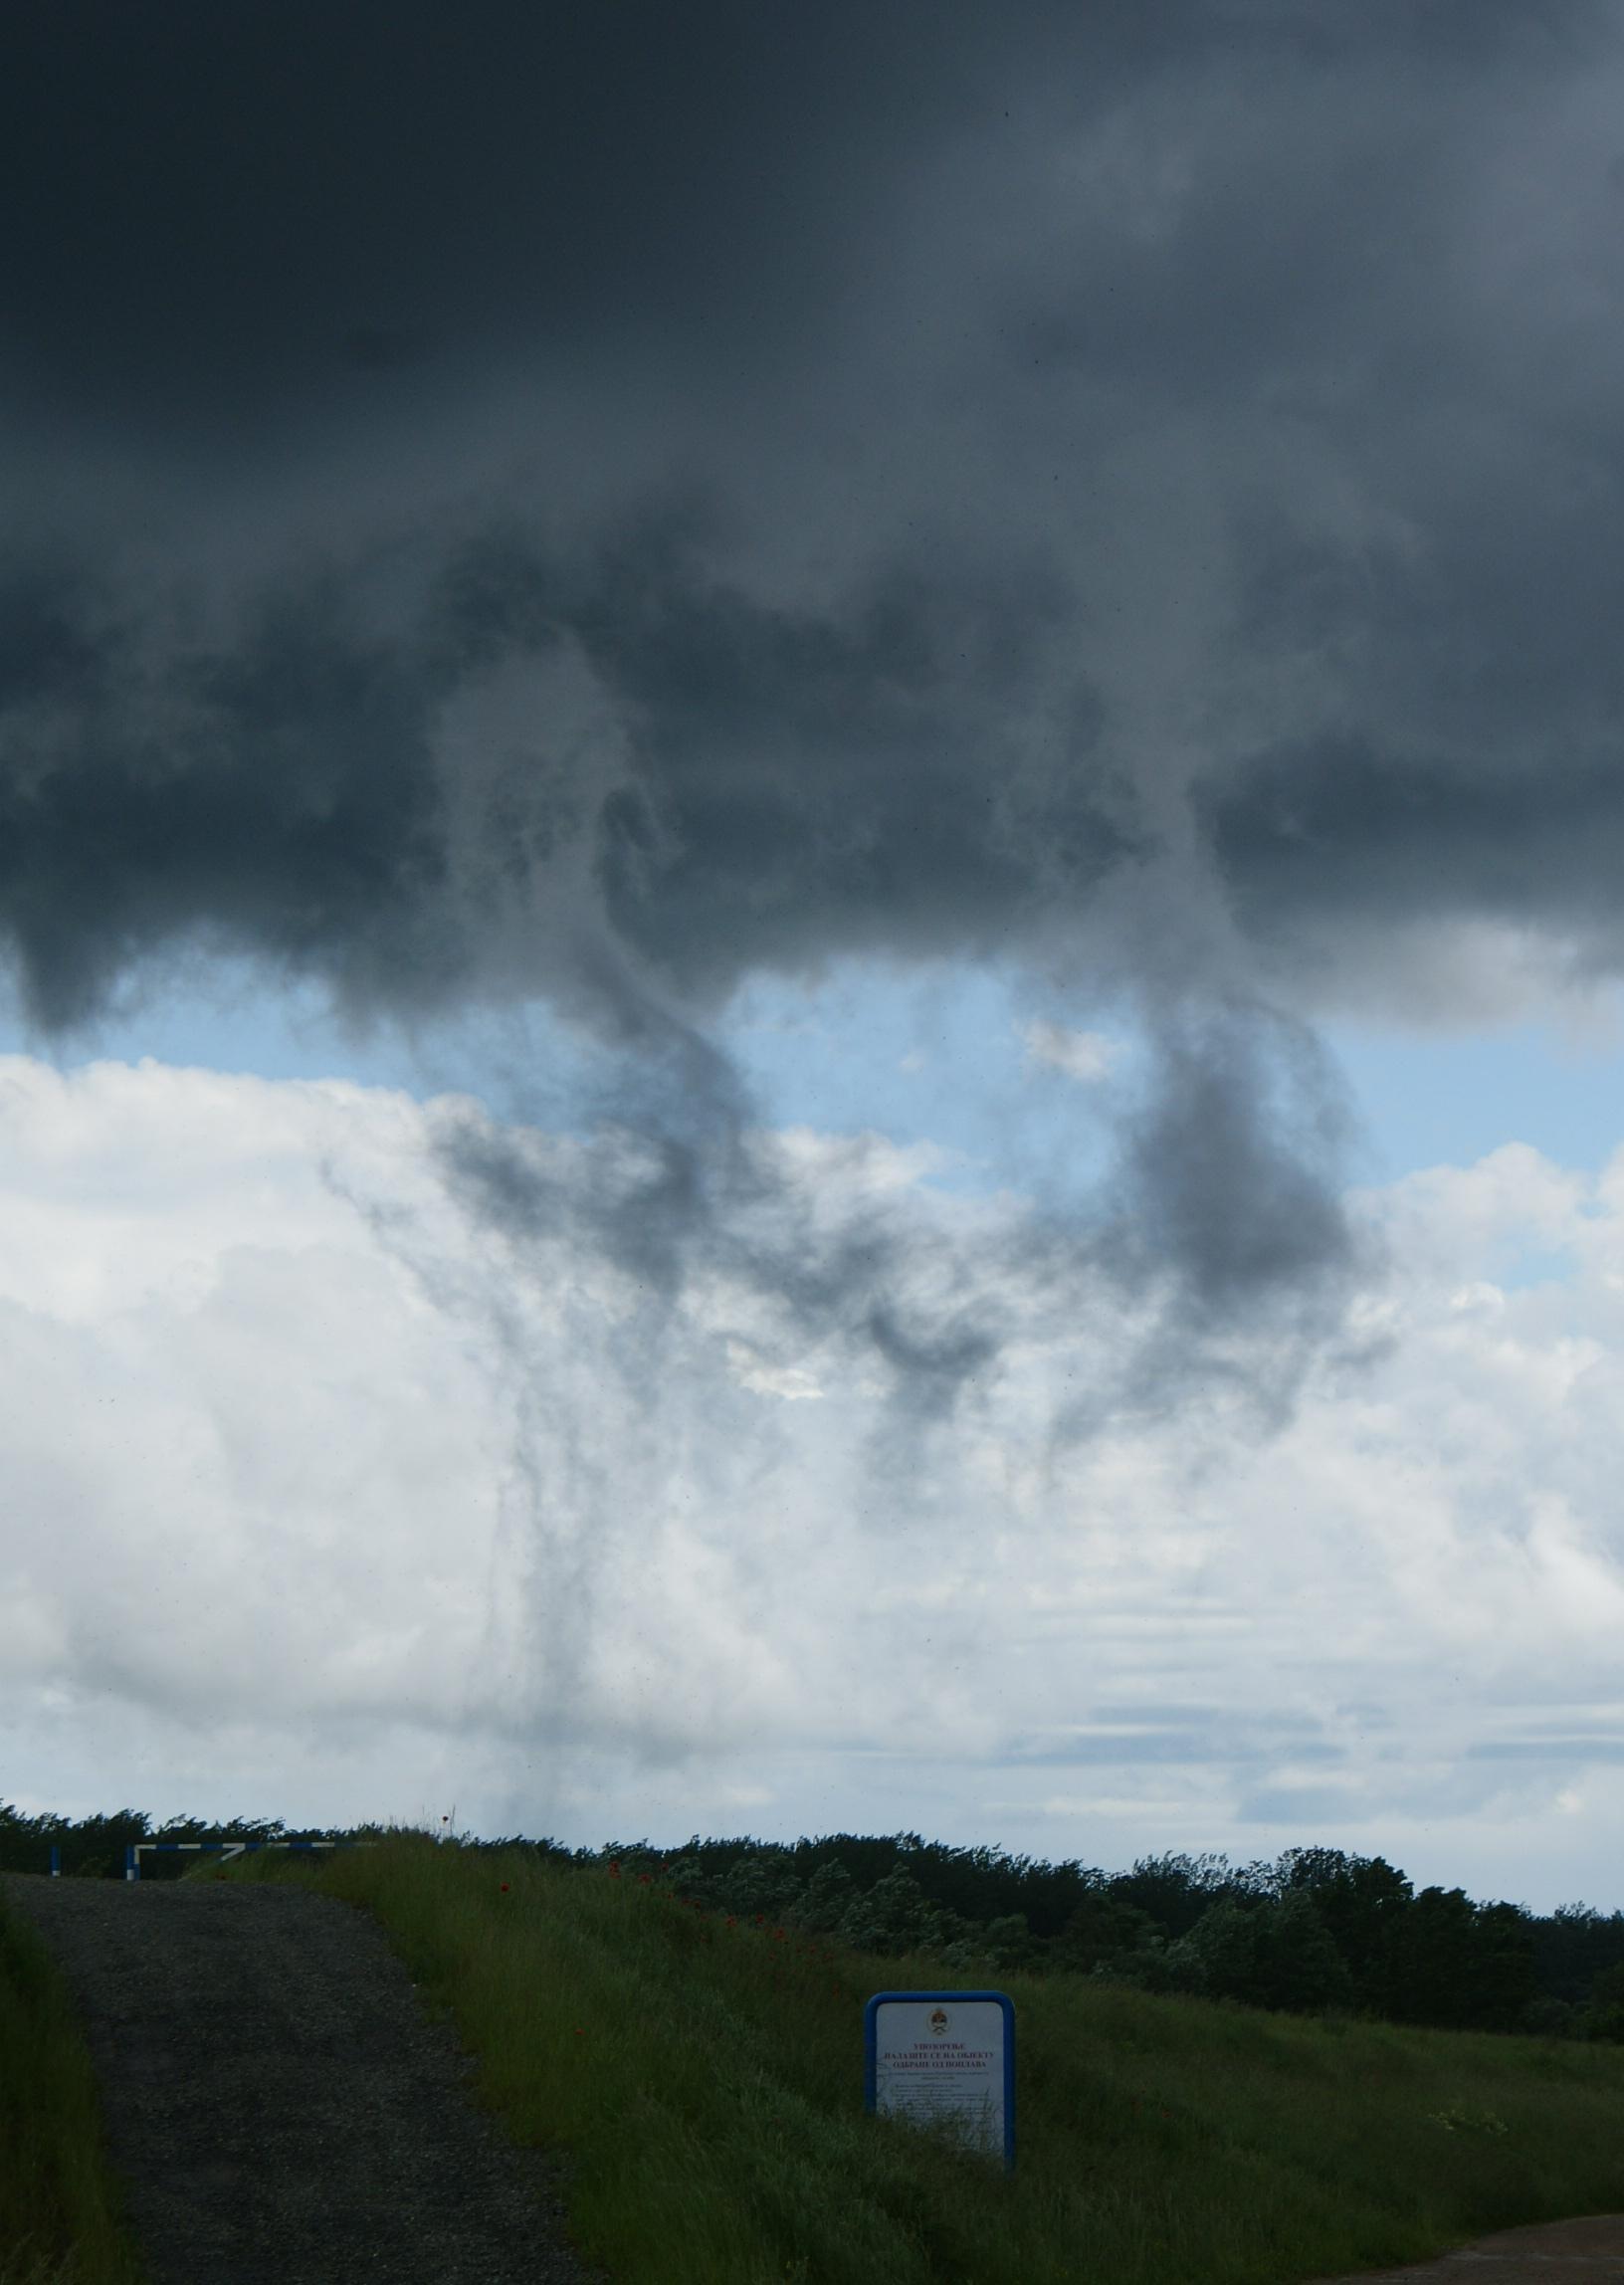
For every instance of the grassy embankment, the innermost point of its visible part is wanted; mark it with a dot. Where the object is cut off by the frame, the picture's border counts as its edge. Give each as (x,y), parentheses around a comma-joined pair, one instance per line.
(704,2081)
(61,2218)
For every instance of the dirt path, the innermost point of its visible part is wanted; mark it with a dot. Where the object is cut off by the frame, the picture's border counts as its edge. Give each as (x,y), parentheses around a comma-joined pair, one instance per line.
(282,2107)
(1548,2253)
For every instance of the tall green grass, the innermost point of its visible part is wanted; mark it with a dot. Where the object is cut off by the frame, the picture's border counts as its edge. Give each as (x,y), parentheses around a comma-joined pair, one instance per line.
(704,2082)
(63,2214)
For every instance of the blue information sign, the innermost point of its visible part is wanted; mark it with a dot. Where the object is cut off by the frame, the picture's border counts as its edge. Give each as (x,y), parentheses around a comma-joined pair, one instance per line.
(944,2058)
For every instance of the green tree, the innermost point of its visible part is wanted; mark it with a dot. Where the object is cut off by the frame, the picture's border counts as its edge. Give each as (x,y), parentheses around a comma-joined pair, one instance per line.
(1503,1979)
(1572,1944)
(895,1917)
(1008,1945)
(1277,1954)
(1105,1929)
(1459,1965)
(1602,2017)
(827,1899)
(1360,1899)
(1174,1891)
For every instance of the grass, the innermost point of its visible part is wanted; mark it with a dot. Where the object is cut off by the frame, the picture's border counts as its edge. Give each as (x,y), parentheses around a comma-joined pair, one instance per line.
(61,2209)
(704,2082)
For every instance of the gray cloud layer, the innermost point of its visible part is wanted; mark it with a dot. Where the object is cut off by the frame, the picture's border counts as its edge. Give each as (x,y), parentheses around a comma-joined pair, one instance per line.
(502,511)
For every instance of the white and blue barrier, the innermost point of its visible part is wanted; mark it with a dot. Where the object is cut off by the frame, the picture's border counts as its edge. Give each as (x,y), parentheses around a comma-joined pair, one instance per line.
(135,1850)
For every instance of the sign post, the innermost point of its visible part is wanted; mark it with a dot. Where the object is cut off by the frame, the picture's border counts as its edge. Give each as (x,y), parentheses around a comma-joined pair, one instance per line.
(947,2058)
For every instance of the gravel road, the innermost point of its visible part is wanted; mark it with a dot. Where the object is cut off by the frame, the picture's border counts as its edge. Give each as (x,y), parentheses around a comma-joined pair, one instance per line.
(281,2106)
(1585,2251)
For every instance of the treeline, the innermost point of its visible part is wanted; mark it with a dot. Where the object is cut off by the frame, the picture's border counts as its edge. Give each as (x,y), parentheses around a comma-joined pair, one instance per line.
(1314,1932)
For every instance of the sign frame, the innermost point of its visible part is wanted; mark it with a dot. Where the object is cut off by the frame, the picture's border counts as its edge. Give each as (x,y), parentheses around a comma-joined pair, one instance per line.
(870,2033)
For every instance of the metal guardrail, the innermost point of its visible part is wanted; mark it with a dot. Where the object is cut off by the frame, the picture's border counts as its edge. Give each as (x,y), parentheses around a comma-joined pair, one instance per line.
(135,1850)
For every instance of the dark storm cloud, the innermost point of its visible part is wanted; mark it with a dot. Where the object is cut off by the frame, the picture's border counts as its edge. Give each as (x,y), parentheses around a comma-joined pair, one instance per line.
(1360,830)
(796,784)
(209,208)
(597,507)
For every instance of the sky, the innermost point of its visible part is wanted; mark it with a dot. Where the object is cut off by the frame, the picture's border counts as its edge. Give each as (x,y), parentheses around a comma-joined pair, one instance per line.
(809,937)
